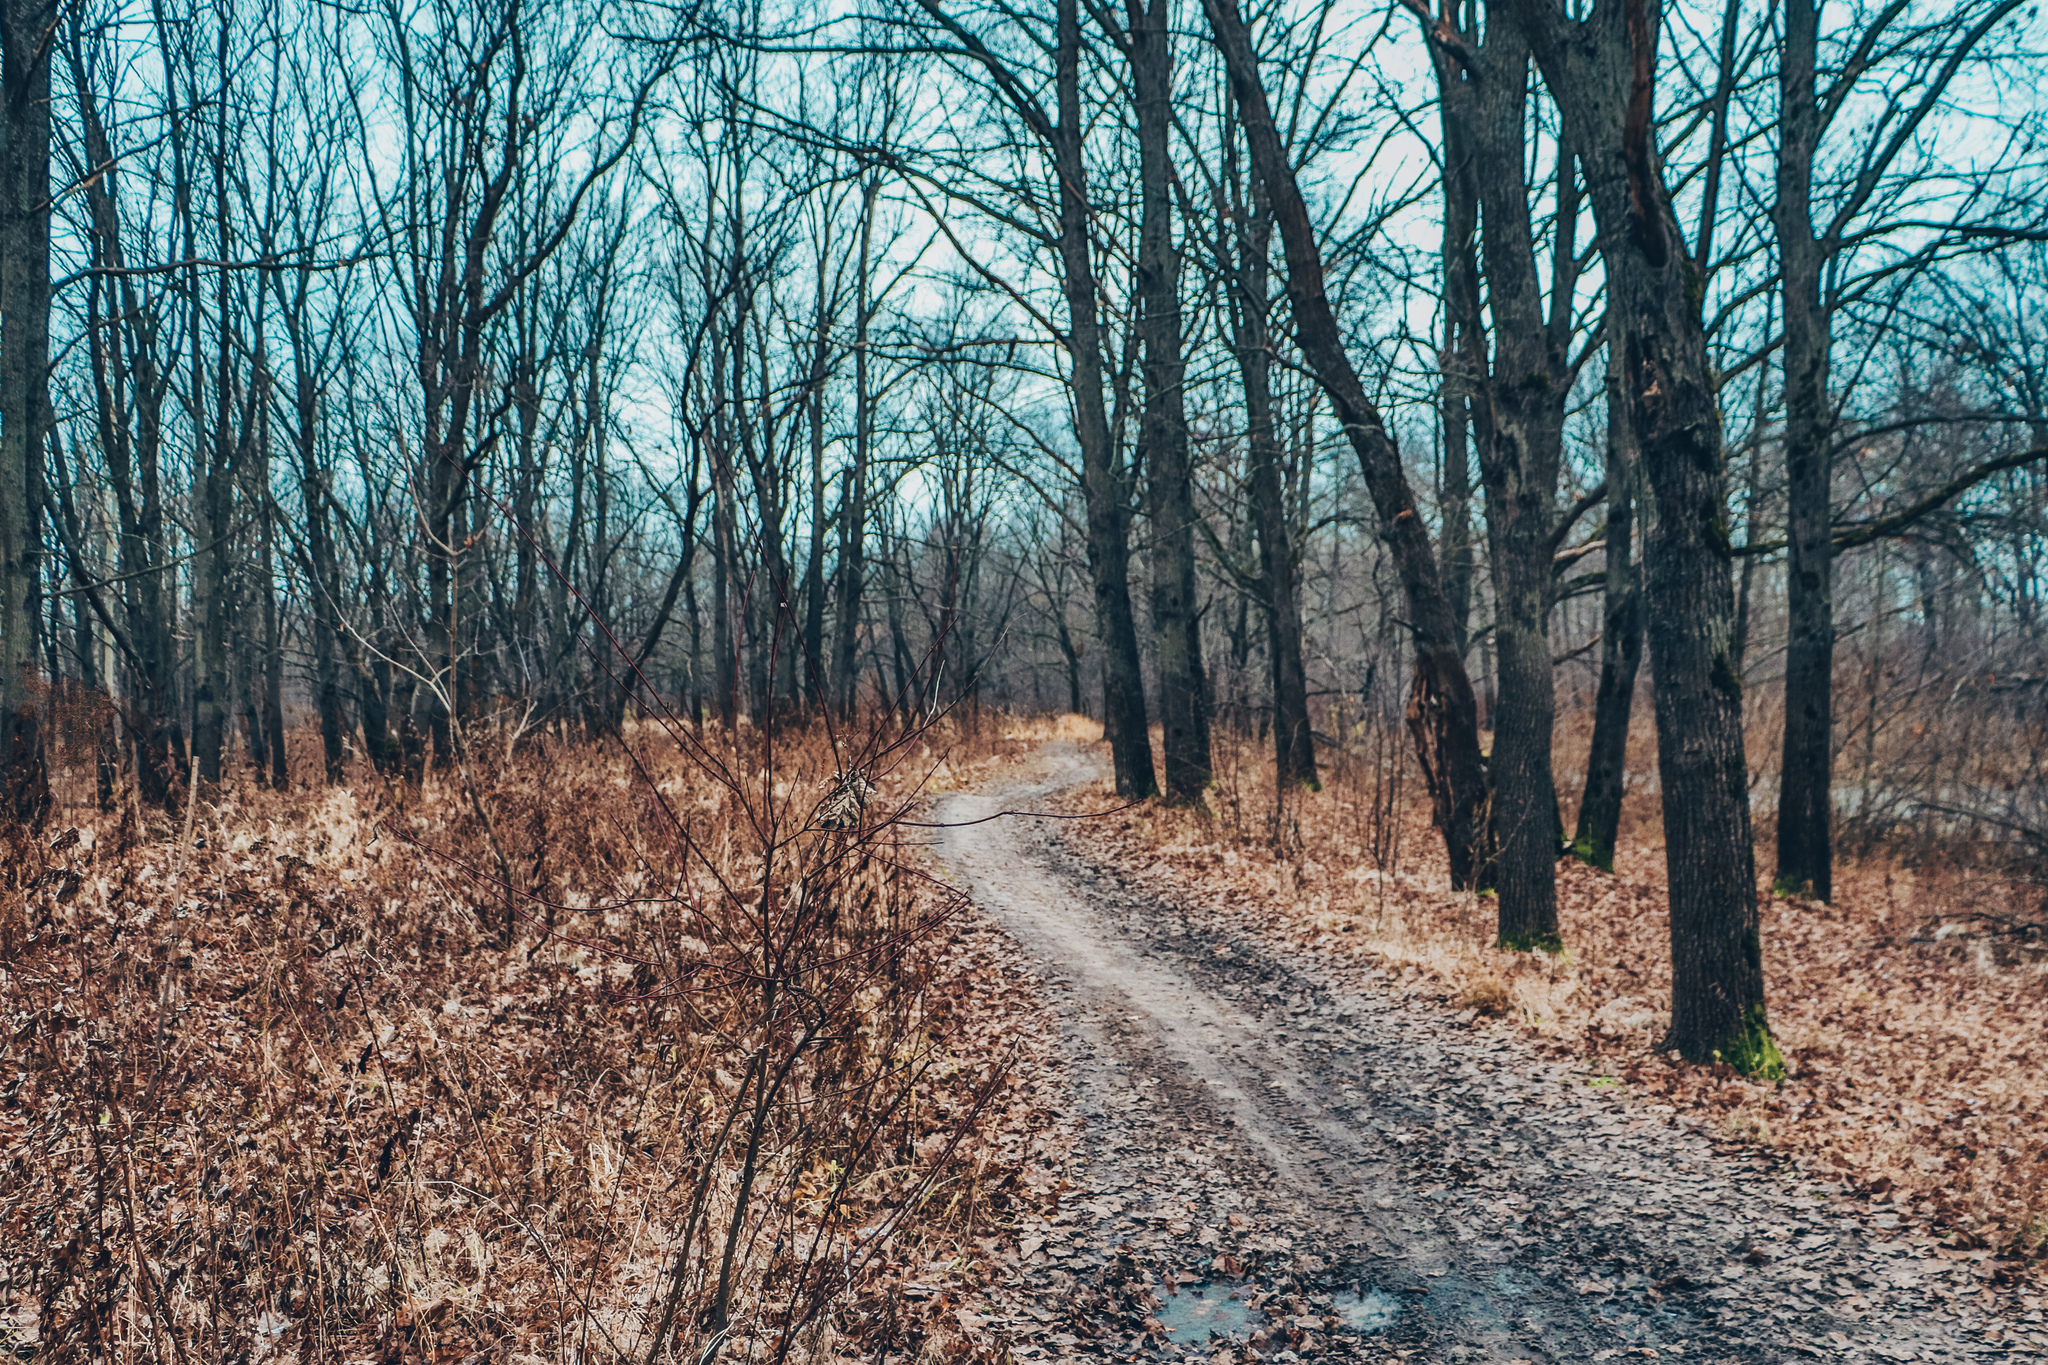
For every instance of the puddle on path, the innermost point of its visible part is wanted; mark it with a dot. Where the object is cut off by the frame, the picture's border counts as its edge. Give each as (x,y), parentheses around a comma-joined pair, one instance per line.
(1200,1309)
(1367,1311)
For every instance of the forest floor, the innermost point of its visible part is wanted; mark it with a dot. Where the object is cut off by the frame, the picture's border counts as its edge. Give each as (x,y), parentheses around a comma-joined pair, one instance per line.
(1275,1141)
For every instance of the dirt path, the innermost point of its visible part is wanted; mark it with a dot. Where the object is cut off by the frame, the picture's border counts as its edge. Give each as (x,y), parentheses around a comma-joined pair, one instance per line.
(1322,1170)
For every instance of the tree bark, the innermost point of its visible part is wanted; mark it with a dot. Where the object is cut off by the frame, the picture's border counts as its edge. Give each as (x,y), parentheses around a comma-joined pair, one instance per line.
(1279,586)
(1805,790)
(1601,73)
(1621,638)
(1518,418)
(26,31)
(853,508)
(1461,367)
(1163,431)
(272,679)
(1443,710)
(815,679)
(1105,482)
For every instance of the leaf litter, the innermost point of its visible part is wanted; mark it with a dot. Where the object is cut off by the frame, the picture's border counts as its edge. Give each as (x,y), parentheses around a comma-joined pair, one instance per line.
(1532,1170)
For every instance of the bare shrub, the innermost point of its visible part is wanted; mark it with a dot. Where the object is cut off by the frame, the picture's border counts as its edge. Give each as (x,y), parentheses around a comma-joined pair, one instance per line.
(286,1091)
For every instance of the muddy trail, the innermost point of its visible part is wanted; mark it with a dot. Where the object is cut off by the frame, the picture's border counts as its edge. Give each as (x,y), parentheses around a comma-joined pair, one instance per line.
(1280,1154)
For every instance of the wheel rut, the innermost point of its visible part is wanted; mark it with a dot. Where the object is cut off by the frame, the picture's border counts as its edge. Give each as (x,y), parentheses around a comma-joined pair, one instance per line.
(1275,1157)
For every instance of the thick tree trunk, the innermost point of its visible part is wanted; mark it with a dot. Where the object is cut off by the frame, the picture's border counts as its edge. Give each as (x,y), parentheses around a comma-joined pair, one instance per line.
(1621,639)
(1163,431)
(1444,714)
(1518,416)
(1805,790)
(26,28)
(1601,72)
(1105,483)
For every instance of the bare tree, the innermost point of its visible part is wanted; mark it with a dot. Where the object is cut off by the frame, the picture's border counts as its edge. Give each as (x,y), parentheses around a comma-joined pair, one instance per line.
(1163,426)
(1517,412)
(1601,71)
(1445,713)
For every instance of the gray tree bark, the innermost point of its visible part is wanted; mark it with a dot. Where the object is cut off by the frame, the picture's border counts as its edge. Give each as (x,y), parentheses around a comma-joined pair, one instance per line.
(1601,72)
(1805,796)
(1621,637)
(26,31)
(1518,417)
(1163,430)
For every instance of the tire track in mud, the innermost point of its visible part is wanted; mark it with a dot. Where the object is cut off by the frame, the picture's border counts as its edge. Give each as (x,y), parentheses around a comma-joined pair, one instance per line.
(1383,1179)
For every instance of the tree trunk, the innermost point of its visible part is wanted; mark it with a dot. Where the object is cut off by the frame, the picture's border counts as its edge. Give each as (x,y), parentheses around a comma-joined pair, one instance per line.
(324,598)
(853,506)
(1520,453)
(273,652)
(212,509)
(1461,367)
(1105,483)
(1621,639)
(1601,73)
(1163,431)
(26,27)
(1752,512)
(1518,412)
(725,663)
(1445,722)
(814,678)
(213,474)
(1294,752)
(1073,660)
(1805,784)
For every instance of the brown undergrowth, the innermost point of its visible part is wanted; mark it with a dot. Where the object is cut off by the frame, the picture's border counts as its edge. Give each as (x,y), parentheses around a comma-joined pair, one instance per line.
(1919,1066)
(275,1084)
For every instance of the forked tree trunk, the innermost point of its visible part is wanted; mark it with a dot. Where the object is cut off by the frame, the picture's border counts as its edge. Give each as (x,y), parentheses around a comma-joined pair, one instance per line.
(1444,716)
(1601,72)
(1518,418)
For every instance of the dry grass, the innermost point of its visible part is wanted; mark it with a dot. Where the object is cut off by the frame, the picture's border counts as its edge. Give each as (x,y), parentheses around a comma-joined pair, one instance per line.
(1919,1070)
(284,1091)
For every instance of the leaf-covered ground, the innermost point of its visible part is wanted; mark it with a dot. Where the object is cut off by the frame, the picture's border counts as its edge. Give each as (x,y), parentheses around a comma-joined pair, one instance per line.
(1915,1042)
(274,1086)
(1284,1148)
